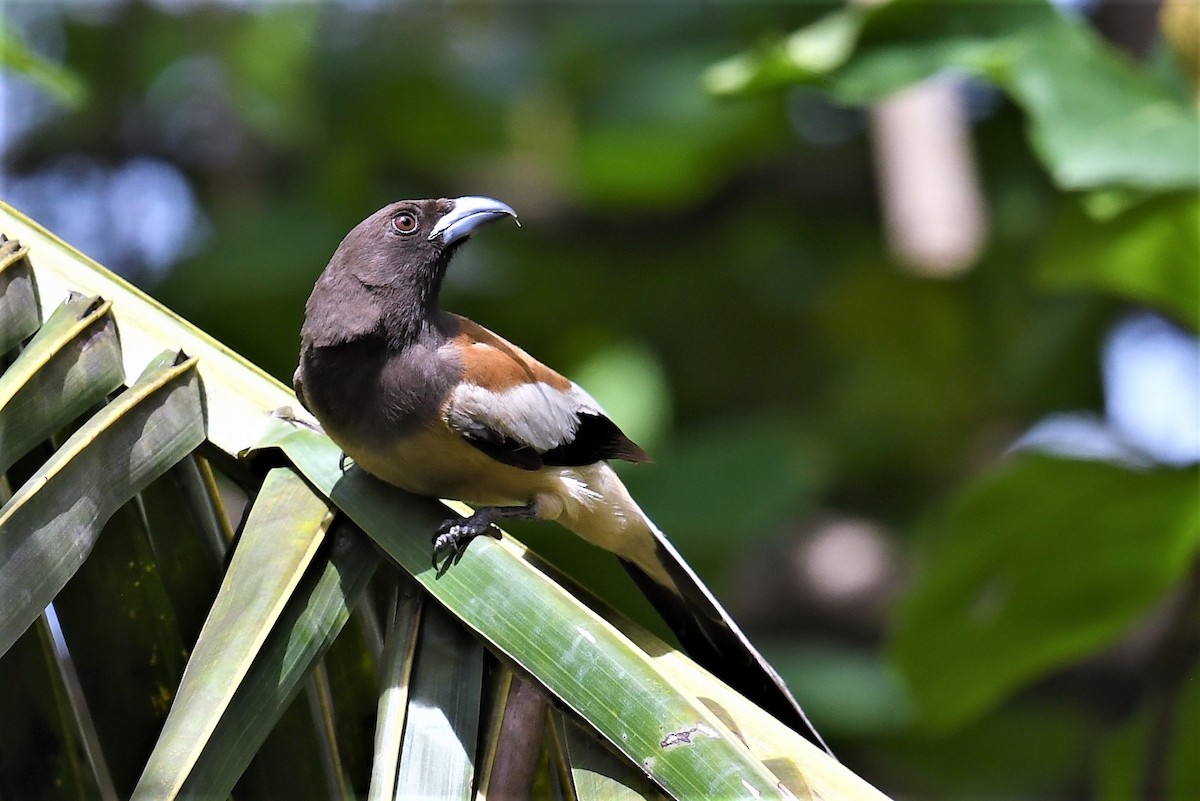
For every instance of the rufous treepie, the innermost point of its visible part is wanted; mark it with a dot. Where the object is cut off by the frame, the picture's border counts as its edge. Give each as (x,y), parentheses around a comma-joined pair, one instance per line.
(440,406)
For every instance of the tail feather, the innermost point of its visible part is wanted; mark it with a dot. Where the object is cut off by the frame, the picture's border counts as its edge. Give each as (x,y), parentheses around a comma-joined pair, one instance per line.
(714,640)
(606,515)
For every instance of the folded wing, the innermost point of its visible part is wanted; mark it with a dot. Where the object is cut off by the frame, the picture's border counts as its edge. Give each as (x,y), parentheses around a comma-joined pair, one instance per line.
(520,412)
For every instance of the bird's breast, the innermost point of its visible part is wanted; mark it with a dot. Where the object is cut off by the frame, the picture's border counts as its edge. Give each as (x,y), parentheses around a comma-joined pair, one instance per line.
(364,391)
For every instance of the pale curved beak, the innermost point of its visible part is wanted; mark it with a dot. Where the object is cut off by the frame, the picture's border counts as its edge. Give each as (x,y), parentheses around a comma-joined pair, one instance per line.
(468,214)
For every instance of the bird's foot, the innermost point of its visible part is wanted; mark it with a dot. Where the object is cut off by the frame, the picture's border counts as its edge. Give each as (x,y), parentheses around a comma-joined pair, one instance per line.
(342,459)
(455,535)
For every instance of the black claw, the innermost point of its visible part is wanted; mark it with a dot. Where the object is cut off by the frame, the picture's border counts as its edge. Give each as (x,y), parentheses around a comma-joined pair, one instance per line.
(453,537)
(342,462)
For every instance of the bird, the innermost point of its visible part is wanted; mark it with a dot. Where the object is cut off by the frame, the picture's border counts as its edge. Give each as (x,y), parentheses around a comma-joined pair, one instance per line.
(438,405)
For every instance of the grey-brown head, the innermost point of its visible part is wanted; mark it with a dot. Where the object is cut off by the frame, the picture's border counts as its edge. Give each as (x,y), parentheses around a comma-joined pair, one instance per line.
(414,236)
(387,272)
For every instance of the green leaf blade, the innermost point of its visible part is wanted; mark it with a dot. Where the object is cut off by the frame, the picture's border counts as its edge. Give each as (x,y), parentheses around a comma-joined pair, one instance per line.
(437,757)
(311,621)
(19,312)
(72,363)
(49,526)
(285,529)
(398,658)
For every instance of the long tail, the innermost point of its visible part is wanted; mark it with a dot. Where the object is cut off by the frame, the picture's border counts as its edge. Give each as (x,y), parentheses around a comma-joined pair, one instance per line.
(614,521)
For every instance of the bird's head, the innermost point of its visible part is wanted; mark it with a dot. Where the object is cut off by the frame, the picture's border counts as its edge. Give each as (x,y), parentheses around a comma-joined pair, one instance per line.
(411,238)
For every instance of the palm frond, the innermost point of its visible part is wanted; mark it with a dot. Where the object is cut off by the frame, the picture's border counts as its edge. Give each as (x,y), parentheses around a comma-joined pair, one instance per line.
(414,685)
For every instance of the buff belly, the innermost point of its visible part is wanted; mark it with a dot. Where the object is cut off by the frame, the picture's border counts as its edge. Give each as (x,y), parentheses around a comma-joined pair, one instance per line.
(441,464)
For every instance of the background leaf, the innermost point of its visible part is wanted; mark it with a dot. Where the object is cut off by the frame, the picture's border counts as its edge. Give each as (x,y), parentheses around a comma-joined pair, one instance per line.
(61,83)
(1150,255)
(1005,597)
(1094,120)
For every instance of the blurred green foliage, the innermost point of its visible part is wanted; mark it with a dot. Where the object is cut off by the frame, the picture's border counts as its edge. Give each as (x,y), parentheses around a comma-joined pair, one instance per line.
(1147,255)
(713,269)
(996,608)
(64,85)
(1094,118)
(1046,560)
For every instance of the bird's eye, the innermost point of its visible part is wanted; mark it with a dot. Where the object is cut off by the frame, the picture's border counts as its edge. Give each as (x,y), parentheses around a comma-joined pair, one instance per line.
(405,222)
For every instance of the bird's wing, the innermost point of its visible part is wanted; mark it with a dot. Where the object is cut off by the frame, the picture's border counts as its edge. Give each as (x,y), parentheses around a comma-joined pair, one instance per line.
(520,412)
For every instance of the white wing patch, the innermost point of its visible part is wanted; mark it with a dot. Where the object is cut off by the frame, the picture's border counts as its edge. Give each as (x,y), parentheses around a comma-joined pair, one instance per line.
(534,414)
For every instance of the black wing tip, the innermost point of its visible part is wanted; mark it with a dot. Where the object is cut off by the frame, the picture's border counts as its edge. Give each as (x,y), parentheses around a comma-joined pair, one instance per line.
(596,439)
(630,451)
